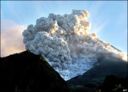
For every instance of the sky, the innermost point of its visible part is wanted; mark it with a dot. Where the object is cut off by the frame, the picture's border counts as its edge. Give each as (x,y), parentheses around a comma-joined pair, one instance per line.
(108,19)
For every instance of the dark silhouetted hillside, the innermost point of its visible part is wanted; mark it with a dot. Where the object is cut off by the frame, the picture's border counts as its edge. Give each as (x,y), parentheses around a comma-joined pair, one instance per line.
(107,73)
(26,72)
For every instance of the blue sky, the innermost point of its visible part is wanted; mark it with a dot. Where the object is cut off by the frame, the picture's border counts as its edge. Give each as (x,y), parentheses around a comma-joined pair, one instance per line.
(108,18)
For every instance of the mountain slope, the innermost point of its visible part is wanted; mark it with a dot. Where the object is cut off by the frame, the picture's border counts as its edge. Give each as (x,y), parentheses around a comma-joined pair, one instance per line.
(103,68)
(26,72)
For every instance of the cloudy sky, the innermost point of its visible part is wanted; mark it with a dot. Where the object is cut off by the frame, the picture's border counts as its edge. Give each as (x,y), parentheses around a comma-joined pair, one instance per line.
(108,19)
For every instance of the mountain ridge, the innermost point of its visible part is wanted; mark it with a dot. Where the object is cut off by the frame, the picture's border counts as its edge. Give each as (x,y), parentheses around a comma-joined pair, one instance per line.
(26,72)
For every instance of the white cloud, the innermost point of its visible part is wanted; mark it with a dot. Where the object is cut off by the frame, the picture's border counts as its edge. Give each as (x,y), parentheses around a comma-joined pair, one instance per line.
(11,37)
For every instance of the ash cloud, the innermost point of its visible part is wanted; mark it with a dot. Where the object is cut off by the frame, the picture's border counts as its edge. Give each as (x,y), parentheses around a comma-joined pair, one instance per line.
(66,42)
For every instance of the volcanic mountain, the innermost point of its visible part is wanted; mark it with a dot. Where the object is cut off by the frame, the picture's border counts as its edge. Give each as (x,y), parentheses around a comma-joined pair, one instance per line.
(62,56)
(26,72)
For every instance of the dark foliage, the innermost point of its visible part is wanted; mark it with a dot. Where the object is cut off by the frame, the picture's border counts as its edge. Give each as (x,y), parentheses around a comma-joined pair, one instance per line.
(110,84)
(114,84)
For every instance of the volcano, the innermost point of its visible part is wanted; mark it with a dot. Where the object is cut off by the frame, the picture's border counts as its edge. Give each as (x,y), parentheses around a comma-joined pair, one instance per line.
(26,72)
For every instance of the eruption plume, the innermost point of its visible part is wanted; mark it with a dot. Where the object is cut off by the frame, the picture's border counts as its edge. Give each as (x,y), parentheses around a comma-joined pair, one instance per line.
(66,43)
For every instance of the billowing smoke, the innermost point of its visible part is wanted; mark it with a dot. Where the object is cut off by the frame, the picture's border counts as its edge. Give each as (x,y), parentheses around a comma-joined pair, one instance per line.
(66,43)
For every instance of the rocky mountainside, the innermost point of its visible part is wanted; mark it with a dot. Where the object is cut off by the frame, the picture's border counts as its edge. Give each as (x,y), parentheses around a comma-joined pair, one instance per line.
(26,72)
(106,74)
